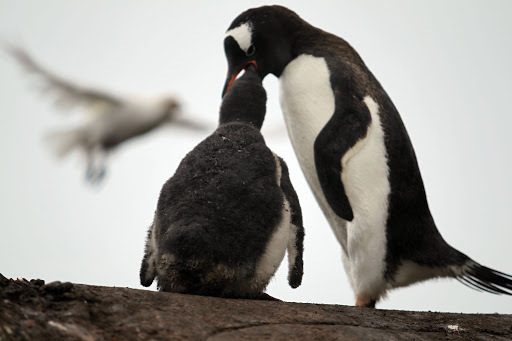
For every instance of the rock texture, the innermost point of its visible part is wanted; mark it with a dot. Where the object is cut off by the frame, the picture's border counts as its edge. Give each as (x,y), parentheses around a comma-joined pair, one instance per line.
(33,310)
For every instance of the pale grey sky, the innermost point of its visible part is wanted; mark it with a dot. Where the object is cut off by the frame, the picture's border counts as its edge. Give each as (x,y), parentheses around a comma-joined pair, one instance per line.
(445,64)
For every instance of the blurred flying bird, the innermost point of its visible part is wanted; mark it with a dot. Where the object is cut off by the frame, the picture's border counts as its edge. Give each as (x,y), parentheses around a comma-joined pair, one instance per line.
(115,119)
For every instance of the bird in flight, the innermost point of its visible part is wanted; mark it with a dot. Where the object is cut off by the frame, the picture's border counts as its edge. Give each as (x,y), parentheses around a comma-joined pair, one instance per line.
(114,119)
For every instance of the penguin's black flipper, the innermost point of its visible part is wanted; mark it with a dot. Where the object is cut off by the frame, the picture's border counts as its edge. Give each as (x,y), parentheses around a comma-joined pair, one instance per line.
(296,241)
(482,278)
(347,126)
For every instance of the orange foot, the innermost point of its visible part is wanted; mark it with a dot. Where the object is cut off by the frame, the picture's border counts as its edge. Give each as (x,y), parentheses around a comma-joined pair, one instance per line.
(364,301)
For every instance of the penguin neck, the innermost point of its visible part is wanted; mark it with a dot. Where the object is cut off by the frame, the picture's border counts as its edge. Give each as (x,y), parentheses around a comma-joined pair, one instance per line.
(252,119)
(297,35)
(308,39)
(244,103)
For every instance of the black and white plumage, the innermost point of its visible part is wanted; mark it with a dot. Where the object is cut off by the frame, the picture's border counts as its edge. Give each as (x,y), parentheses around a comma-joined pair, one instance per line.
(114,120)
(355,153)
(225,219)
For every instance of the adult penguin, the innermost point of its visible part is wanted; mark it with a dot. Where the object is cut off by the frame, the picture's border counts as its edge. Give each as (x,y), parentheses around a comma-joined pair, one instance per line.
(355,153)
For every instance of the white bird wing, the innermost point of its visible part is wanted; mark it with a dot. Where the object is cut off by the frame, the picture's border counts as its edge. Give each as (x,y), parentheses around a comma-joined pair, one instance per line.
(189,123)
(68,94)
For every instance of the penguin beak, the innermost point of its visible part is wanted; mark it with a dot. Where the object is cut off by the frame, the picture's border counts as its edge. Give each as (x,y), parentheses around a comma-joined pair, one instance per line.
(233,75)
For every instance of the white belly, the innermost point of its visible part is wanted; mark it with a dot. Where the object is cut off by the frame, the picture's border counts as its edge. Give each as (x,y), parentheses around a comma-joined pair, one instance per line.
(307,102)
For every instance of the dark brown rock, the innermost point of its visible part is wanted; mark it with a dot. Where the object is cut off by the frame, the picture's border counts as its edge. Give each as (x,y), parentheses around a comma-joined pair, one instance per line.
(31,311)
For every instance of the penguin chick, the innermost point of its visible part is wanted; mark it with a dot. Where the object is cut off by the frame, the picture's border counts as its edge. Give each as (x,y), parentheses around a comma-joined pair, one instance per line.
(355,153)
(115,119)
(225,219)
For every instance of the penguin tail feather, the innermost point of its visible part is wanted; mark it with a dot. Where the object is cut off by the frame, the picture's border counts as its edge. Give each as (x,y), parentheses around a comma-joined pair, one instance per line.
(482,278)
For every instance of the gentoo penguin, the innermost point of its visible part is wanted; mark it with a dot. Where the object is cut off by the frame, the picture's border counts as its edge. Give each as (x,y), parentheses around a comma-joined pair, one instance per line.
(115,119)
(355,153)
(225,219)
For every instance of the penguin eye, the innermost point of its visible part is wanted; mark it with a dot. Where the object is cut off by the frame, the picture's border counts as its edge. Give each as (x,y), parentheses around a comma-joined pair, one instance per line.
(250,50)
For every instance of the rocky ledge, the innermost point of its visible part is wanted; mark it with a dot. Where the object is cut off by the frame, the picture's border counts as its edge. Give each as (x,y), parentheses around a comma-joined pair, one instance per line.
(33,310)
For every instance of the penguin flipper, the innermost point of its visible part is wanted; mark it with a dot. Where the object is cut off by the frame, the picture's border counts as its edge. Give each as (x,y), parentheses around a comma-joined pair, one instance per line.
(148,267)
(296,242)
(347,126)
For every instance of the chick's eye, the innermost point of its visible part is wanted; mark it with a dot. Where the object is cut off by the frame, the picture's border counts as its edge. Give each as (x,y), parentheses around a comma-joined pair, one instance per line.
(250,50)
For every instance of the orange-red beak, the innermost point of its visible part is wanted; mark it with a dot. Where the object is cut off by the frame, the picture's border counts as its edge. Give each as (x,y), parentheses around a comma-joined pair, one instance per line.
(232,80)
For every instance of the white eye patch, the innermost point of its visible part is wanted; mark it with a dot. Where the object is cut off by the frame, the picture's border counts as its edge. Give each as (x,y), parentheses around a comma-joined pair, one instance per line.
(242,34)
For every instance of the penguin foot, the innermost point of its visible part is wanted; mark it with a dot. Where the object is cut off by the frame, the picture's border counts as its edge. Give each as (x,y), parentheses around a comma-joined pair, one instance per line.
(363,301)
(266,297)
(95,176)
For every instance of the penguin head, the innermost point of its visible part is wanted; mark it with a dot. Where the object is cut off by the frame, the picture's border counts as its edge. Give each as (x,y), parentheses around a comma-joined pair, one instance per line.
(246,100)
(263,35)
(170,107)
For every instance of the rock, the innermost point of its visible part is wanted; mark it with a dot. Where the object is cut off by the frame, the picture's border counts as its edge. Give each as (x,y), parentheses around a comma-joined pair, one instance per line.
(3,281)
(83,312)
(57,287)
(37,282)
